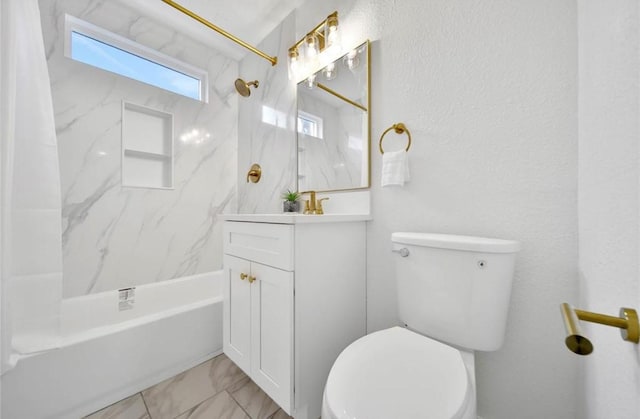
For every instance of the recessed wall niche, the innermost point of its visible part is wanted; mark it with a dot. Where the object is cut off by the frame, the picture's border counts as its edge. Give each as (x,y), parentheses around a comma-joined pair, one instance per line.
(147,147)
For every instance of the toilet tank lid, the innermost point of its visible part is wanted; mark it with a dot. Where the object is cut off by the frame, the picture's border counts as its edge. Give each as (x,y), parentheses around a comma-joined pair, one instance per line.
(448,241)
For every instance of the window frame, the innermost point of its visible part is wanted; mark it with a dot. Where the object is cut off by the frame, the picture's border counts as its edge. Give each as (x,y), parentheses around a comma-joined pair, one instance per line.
(74,24)
(317,120)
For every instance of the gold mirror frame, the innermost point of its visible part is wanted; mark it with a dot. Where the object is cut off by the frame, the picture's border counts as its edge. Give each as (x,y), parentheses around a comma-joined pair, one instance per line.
(355,103)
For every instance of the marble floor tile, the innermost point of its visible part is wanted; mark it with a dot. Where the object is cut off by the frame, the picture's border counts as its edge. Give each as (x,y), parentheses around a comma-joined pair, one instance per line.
(130,408)
(253,400)
(280,414)
(178,394)
(220,406)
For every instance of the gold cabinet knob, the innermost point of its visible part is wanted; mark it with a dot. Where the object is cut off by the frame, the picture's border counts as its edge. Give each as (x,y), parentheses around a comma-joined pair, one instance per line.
(251,279)
(243,276)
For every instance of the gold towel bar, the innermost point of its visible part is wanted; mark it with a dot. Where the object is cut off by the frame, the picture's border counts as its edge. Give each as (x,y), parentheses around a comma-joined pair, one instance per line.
(578,343)
(399,128)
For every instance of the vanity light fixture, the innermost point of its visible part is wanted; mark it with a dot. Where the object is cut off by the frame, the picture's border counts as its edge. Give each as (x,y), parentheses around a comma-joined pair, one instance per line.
(304,55)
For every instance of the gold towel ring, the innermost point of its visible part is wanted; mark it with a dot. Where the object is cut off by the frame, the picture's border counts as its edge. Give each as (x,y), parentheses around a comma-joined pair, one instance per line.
(400,128)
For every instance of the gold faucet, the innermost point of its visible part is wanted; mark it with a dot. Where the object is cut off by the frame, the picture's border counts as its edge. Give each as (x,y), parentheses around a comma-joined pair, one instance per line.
(311,205)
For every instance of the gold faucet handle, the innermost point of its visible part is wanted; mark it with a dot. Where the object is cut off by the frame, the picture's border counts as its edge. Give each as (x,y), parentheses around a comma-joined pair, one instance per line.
(319,209)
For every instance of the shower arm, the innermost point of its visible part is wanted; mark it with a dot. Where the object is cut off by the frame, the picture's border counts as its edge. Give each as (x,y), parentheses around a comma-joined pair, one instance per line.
(272,60)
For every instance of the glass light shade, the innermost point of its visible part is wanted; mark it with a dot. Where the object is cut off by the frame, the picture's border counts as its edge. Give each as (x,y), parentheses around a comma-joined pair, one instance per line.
(294,64)
(331,34)
(330,71)
(351,60)
(309,82)
(312,47)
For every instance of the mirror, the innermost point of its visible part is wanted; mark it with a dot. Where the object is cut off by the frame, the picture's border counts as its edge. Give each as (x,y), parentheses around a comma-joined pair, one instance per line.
(333,125)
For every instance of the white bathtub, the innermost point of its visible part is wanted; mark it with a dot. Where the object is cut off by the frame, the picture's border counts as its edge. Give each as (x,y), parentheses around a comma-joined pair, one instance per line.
(107,354)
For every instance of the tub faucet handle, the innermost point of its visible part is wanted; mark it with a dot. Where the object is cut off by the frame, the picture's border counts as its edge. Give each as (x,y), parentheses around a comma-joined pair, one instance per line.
(255,173)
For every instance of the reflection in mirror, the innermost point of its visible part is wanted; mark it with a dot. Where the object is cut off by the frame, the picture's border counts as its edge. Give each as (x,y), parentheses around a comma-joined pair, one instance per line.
(333,125)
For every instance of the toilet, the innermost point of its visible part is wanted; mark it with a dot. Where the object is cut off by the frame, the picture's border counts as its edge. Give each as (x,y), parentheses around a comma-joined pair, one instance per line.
(453,297)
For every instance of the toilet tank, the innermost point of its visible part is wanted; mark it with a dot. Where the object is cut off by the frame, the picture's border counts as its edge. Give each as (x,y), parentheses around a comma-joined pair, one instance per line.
(455,289)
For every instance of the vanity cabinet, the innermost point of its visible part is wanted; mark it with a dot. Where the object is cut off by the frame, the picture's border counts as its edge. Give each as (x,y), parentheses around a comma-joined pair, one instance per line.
(294,298)
(259,316)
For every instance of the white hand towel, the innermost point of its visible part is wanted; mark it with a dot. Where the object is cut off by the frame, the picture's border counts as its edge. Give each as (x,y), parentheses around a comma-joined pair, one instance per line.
(395,168)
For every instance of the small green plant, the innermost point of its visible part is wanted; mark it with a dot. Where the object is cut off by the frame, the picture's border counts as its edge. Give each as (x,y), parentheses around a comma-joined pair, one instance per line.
(291,196)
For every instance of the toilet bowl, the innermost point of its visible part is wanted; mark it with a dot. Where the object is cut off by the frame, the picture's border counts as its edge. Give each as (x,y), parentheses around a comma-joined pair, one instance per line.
(453,296)
(398,373)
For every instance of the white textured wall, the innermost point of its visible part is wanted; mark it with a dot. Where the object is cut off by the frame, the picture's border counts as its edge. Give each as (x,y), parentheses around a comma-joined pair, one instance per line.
(608,198)
(488,90)
(115,236)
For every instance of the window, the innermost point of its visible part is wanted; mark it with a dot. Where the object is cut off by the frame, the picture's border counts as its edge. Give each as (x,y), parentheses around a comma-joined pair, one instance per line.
(100,48)
(310,125)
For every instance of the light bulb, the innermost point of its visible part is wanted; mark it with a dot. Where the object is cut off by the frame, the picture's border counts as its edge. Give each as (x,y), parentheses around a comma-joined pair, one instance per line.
(310,81)
(294,64)
(312,48)
(330,71)
(332,35)
(351,60)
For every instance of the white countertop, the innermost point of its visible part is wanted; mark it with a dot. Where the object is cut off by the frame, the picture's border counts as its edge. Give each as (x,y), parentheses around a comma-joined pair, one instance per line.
(295,218)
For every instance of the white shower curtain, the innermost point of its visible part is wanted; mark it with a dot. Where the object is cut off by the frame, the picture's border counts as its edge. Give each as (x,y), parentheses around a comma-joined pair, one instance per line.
(30,249)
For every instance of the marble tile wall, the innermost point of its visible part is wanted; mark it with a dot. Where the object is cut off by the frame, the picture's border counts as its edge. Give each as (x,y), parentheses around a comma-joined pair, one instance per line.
(271,146)
(116,236)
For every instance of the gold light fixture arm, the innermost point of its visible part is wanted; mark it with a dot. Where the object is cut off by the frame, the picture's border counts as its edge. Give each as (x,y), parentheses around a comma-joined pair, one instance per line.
(627,323)
(272,60)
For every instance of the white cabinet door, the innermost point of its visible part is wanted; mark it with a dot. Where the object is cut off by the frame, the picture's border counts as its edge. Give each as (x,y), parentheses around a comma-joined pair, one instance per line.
(237,312)
(272,333)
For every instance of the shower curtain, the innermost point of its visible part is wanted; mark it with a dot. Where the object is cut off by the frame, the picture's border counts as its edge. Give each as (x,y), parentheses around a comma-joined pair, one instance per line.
(30,221)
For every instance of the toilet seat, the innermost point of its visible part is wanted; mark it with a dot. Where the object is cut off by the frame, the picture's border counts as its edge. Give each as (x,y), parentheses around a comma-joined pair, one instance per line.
(397,373)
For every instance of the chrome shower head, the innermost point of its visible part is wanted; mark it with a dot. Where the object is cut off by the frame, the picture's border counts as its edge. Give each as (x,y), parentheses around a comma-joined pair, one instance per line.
(243,87)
